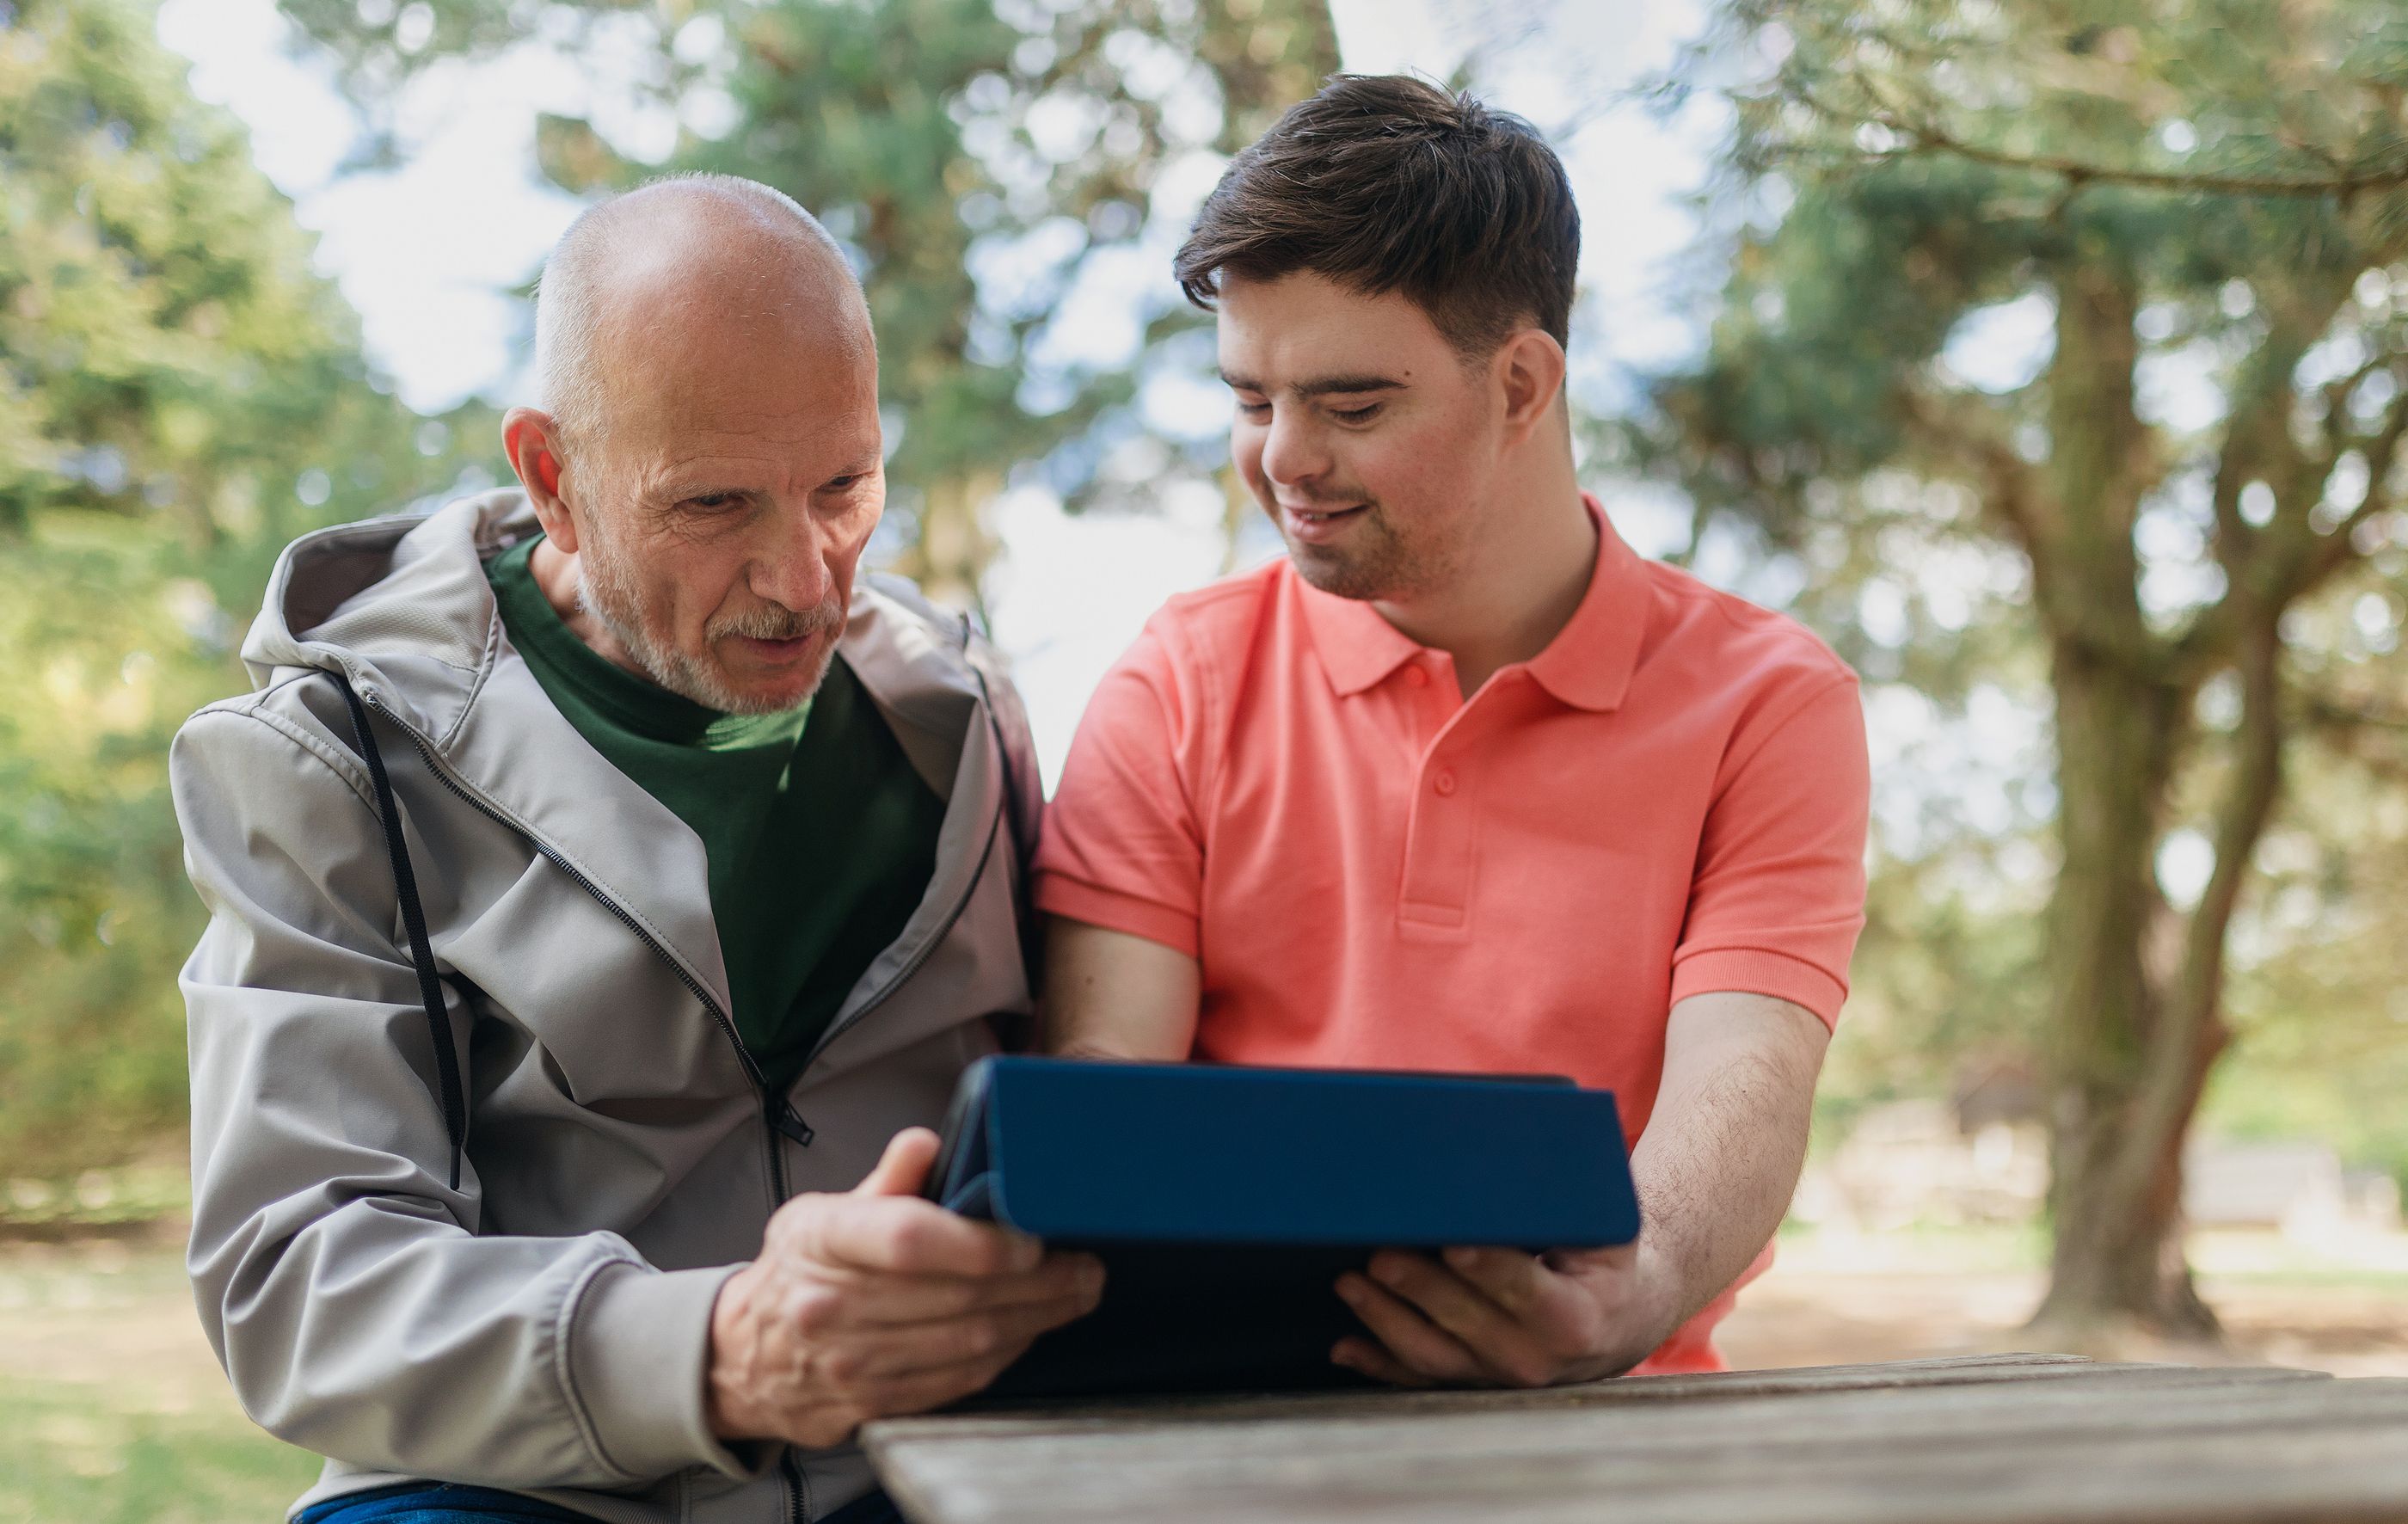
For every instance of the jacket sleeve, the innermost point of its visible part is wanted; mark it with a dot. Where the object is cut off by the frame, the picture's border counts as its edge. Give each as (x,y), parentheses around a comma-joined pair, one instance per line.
(343,1284)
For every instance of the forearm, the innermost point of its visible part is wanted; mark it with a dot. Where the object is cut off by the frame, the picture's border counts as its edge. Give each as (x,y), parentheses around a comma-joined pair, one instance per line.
(1720,1158)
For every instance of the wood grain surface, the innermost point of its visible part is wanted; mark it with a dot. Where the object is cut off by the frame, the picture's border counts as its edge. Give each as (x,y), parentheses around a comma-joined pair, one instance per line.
(2016,1439)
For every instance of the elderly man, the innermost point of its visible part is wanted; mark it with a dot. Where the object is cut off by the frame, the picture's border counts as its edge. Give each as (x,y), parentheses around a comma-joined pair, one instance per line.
(577,844)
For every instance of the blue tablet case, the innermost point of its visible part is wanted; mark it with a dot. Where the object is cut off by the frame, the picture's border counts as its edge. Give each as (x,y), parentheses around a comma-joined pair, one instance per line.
(1224,1201)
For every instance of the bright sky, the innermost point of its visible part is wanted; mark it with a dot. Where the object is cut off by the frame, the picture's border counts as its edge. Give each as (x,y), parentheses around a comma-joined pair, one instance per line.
(428,255)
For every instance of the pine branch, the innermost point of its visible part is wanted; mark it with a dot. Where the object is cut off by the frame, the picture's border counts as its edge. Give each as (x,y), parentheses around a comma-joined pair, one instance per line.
(1925,138)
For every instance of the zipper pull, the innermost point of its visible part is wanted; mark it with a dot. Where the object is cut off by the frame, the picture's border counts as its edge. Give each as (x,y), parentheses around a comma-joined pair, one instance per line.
(789,1123)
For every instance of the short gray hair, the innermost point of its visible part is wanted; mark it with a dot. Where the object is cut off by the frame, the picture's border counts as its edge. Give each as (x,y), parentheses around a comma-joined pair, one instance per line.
(568,309)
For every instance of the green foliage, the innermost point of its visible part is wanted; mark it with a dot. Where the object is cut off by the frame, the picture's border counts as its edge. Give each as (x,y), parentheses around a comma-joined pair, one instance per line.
(179,395)
(977,159)
(2204,208)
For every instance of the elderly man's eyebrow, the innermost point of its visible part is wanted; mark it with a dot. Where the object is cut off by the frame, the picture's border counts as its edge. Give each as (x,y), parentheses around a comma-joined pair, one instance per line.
(1322,385)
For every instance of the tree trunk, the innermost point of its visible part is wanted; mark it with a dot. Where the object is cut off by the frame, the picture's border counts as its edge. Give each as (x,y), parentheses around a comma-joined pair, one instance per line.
(2115,992)
(2116,1191)
(950,557)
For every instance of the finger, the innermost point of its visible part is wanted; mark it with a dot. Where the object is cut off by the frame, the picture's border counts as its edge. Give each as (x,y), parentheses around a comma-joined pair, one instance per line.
(869,1298)
(1412,1338)
(1616,1257)
(903,1168)
(993,1339)
(920,1390)
(912,1236)
(1357,1354)
(1506,1349)
(1507,1277)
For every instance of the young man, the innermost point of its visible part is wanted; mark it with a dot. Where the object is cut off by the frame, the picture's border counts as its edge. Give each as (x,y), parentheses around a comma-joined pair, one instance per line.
(1463,784)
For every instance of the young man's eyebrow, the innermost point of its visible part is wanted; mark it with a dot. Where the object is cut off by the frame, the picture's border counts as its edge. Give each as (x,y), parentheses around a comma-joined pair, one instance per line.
(1322,385)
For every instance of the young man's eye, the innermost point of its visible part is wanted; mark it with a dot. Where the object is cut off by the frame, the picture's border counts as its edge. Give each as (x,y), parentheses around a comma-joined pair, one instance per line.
(1254,410)
(1355,415)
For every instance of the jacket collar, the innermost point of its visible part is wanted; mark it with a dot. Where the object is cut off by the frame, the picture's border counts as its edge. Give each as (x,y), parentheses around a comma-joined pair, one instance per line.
(1588,664)
(402,606)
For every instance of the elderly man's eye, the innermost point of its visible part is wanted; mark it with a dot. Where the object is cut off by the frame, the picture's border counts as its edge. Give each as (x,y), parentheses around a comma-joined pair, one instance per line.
(713,500)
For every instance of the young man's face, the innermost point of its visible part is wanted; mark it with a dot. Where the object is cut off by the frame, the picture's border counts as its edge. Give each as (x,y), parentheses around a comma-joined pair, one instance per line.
(1365,434)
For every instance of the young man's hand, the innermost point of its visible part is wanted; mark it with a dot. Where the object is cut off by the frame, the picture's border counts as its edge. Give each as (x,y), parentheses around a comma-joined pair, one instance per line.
(877,1302)
(1501,1317)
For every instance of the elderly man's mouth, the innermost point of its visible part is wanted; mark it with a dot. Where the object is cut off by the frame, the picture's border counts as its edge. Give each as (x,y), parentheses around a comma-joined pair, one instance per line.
(775,651)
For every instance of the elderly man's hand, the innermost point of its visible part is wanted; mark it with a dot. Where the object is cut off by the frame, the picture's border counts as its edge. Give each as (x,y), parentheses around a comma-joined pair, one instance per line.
(1500,1317)
(878,1302)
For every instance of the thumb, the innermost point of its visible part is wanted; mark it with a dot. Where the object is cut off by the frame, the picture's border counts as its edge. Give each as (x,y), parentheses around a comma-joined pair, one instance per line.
(904,1167)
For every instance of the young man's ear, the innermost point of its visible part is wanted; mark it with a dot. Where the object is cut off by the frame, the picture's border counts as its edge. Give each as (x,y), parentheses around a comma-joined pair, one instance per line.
(1530,368)
(529,439)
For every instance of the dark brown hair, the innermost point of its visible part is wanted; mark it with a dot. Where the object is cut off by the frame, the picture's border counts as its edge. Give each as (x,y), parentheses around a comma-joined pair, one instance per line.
(1383,182)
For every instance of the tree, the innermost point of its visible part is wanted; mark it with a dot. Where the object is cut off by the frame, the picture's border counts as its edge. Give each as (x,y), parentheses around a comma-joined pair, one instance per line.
(179,395)
(979,160)
(2206,207)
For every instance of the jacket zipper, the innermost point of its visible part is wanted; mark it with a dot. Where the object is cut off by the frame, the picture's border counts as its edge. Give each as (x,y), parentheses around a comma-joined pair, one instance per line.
(777,1111)
(771,1105)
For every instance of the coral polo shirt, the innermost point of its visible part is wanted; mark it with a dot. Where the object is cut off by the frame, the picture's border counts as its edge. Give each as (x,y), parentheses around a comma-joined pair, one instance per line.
(1372,870)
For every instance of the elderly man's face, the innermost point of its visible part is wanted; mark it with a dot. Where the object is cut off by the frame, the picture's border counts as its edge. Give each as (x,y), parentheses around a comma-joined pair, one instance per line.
(722,512)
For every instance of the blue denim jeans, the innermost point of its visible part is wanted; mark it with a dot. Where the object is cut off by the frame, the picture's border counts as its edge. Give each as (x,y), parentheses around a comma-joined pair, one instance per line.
(449,1502)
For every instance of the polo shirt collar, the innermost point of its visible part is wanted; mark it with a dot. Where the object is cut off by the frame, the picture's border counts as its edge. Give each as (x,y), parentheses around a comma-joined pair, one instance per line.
(1588,664)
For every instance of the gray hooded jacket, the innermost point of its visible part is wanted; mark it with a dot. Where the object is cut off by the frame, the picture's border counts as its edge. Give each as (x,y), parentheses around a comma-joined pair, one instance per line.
(543,1326)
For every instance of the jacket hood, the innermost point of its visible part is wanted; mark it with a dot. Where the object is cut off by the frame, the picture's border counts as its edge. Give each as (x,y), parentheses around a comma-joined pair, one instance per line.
(401,606)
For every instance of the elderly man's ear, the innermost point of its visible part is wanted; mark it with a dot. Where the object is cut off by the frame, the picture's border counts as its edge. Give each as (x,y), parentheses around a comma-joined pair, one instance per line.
(527,437)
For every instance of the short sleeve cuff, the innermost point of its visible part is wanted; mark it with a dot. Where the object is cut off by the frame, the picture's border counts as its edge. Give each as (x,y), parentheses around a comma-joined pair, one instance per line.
(1750,970)
(1114,910)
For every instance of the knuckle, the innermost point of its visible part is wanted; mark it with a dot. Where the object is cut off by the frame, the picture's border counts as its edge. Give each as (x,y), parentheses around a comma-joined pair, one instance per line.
(909,1240)
(817,1310)
(843,1366)
(982,1338)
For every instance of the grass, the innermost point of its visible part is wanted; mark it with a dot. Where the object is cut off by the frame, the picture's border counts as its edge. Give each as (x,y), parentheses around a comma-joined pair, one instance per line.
(74,1454)
(112,1408)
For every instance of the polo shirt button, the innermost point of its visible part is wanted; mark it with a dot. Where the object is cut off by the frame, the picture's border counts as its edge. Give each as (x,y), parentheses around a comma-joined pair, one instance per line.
(1415,677)
(1445,783)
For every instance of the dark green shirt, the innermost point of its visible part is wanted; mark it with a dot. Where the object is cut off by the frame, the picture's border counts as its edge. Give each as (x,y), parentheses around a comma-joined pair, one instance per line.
(821,837)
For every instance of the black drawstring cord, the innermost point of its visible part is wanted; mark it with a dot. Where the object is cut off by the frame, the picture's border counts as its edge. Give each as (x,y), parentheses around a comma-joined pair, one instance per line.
(430,989)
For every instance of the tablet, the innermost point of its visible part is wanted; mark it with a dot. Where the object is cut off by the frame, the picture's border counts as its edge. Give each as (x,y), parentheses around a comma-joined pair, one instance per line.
(1225,1200)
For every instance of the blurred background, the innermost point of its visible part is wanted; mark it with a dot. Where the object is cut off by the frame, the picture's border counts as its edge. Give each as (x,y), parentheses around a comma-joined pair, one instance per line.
(2048,357)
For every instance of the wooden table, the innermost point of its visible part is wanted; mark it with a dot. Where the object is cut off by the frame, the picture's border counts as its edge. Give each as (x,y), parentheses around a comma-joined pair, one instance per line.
(2010,1439)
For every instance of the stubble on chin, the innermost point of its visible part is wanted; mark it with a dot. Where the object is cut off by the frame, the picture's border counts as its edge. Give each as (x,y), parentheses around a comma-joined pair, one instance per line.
(1372,564)
(610,595)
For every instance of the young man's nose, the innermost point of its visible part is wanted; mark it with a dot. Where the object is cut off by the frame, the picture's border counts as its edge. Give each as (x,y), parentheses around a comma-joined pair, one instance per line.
(1293,450)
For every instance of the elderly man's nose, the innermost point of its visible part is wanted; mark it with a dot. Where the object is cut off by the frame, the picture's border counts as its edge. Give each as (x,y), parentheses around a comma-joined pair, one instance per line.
(795,570)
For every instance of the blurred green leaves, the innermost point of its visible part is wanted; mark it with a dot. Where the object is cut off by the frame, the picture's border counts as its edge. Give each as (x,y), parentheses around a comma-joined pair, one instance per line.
(979,160)
(2192,484)
(179,395)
